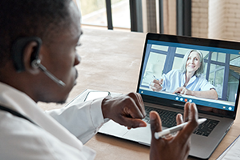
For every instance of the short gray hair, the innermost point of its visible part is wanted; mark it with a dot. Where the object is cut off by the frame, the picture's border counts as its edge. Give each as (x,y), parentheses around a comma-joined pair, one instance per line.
(200,70)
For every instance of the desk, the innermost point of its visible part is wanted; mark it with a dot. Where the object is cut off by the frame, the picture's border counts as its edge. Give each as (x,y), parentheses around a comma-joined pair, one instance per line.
(111,61)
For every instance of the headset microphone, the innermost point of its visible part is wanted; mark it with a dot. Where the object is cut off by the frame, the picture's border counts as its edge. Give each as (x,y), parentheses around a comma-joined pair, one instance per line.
(37,64)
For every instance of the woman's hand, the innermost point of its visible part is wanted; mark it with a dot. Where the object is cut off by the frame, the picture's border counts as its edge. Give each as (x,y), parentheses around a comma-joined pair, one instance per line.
(156,85)
(210,94)
(183,90)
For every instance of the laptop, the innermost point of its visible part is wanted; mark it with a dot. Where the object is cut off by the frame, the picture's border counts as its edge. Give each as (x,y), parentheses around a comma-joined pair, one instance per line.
(164,53)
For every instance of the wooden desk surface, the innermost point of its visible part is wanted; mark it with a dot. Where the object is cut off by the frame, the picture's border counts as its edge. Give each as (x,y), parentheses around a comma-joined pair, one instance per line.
(111,61)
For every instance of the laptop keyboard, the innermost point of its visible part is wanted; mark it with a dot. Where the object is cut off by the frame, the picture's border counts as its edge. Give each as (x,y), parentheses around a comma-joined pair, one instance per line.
(206,128)
(169,120)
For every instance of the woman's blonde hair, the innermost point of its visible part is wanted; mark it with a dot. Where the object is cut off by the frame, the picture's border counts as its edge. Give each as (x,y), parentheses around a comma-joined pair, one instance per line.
(200,70)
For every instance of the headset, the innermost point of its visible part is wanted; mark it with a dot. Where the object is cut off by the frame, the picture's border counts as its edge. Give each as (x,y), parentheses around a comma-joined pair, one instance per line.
(17,51)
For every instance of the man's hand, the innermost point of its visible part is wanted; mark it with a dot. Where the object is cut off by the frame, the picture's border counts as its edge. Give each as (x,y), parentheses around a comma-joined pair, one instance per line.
(173,147)
(127,110)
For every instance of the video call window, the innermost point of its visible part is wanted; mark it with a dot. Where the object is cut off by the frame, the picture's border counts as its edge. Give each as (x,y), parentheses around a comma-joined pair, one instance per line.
(221,69)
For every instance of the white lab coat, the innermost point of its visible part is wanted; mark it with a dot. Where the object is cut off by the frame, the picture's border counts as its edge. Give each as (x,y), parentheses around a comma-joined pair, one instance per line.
(22,140)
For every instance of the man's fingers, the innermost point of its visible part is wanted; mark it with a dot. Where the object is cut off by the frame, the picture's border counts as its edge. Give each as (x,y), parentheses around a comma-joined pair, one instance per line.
(186,111)
(133,123)
(141,104)
(193,112)
(179,119)
(155,121)
(186,132)
(138,102)
(134,110)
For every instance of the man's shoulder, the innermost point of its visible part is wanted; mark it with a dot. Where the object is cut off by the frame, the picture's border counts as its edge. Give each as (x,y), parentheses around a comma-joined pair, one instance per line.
(25,137)
(11,125)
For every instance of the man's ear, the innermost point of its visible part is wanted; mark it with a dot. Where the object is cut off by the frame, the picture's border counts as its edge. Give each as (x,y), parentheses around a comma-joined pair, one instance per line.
(29,55)
(27,47)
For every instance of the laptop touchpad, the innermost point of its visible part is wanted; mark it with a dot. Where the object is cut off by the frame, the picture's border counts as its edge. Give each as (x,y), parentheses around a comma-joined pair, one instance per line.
(141,135)
(113,128)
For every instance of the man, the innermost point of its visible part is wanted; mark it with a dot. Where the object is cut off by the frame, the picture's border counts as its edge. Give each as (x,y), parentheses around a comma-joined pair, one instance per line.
(41,36)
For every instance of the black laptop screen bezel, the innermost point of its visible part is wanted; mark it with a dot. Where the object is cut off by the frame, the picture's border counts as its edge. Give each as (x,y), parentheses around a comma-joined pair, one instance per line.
(190,41)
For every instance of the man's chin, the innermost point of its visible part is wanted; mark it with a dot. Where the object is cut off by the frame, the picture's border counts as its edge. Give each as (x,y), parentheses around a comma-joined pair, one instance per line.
(61,102)
(60,98)
(57,102)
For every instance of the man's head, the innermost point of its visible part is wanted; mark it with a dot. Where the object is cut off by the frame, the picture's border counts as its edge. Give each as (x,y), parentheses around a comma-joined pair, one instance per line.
(57,24)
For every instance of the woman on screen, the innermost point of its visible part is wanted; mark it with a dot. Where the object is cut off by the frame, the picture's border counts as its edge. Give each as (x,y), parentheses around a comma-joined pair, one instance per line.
(188,80)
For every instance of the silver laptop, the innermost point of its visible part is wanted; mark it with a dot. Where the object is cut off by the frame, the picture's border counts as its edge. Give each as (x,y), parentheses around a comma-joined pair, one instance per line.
(164,53)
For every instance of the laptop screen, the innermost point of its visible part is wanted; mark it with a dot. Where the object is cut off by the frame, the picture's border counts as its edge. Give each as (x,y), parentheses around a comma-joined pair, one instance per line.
(179,69)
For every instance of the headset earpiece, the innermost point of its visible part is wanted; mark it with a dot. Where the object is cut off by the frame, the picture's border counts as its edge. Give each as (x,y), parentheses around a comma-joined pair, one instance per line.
(17,51)
(17,55)
(36,63)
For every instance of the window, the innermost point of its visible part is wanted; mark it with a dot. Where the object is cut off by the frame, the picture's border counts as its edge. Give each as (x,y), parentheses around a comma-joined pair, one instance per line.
(94,13)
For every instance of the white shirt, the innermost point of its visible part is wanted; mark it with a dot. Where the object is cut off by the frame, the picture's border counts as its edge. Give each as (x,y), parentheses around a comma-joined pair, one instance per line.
(22,140)
(175,78)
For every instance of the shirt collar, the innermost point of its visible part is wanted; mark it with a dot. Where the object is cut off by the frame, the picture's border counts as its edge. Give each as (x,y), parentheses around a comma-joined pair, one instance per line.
(192,79)
(16,100)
